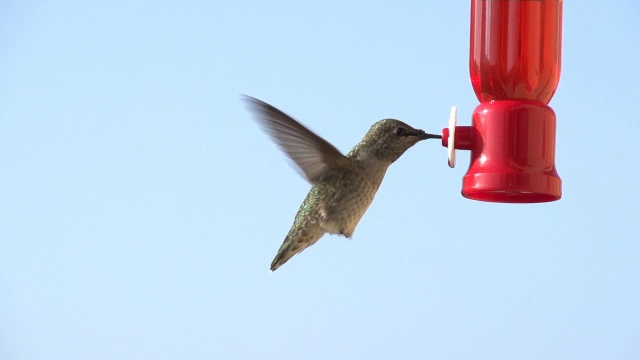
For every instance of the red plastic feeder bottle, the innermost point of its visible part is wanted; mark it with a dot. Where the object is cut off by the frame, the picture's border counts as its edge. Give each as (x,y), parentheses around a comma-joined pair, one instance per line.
(515,70)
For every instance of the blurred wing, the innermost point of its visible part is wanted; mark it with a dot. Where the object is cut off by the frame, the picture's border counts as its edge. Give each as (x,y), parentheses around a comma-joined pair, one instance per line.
(315,157)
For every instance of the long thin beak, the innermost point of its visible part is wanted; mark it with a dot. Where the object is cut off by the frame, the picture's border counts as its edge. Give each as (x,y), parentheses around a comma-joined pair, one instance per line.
(424,136)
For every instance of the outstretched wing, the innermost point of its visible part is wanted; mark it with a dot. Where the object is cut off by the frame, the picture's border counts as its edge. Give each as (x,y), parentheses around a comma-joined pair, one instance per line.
(315,156)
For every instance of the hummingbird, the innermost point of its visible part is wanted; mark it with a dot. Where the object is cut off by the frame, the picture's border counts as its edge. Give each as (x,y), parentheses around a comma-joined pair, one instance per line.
(343,187)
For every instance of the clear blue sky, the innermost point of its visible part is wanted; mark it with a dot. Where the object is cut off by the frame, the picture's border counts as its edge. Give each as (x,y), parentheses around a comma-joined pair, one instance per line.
(141,206)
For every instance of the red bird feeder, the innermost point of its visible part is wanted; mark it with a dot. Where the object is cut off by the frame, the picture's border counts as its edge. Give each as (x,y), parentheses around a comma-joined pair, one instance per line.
(515,70)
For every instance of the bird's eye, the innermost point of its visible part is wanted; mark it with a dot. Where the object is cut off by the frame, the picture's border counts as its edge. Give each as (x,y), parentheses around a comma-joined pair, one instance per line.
(401,131)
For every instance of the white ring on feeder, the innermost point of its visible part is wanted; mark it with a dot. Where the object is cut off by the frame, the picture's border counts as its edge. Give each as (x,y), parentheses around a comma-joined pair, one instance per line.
(451,149)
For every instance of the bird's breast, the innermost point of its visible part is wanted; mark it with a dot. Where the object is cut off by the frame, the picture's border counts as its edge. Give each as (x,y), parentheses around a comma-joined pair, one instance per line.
(346,201)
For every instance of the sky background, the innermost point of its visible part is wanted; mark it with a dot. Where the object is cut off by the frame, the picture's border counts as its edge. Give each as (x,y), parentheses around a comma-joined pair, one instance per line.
(141,205)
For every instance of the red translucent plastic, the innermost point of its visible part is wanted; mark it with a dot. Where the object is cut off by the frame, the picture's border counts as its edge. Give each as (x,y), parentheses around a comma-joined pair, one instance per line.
(515,49)
(513,153)
(512,147)
(515,70)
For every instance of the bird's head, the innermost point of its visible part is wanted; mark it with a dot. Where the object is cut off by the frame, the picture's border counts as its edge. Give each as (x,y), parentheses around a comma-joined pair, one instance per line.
(388,139)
